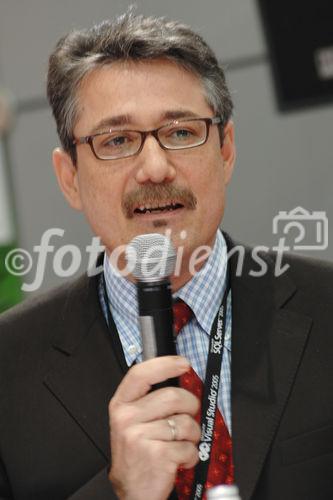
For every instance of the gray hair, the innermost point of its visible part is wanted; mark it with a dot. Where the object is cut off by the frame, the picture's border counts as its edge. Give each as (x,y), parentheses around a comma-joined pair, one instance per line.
(128,37)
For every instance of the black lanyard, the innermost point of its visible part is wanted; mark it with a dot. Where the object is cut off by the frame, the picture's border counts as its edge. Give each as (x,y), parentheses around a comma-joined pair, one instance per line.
(210,396)
(211,387)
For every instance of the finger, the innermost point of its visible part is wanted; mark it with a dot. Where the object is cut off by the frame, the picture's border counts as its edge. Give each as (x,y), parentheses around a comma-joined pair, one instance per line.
(182,453)
(140,378)
(173,428)
(161,403)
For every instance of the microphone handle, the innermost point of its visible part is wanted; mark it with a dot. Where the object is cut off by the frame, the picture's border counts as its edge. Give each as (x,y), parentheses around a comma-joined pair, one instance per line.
(156,322)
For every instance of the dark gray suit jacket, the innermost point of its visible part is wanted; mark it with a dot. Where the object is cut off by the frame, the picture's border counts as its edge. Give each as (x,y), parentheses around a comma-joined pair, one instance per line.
(58,371)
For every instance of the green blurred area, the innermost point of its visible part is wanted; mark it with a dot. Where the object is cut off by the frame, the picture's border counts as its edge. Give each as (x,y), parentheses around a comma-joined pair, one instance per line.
(10,285)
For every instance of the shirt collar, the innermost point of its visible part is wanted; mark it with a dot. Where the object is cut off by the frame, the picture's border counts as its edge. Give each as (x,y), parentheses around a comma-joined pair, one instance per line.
(204,292)
(121,292)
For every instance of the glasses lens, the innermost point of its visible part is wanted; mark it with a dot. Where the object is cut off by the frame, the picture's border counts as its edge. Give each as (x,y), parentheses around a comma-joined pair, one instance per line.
(183,134)
(117,144)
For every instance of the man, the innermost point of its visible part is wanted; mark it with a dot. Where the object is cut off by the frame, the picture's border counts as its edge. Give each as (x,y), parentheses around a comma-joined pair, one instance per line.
(143,114)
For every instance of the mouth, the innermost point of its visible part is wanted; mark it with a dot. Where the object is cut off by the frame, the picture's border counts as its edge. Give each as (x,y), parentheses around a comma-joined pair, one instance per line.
(162,201)
(159,208)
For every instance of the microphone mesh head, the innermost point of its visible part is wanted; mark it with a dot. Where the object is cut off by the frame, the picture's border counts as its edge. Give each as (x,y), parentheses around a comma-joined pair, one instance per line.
(151,256)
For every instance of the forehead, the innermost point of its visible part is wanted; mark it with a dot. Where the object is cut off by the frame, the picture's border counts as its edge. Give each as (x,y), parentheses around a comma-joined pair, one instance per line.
(143,91)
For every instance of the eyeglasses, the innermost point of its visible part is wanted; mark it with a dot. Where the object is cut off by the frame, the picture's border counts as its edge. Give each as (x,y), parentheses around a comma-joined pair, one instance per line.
(179,134)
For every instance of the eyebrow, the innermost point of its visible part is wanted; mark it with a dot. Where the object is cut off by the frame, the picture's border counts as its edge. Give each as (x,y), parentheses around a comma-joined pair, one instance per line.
(124,120)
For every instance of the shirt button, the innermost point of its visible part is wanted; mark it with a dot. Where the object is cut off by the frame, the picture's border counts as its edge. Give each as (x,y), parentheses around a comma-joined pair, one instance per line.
(132,349)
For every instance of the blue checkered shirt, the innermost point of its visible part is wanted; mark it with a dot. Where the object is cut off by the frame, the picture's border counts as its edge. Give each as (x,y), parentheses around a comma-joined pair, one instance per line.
(203,293)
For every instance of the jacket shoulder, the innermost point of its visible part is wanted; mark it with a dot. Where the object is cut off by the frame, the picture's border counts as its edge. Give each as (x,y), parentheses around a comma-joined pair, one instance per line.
(309,273)
(39,317)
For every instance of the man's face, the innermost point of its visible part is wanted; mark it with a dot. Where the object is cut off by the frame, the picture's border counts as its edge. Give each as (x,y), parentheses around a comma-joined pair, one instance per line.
(143,96)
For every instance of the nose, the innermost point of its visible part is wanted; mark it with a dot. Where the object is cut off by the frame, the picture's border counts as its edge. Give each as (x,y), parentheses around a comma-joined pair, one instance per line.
(155,166)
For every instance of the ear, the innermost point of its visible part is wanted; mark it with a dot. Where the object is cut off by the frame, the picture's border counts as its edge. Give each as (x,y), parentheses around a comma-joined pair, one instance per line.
(228,151)
(67,176)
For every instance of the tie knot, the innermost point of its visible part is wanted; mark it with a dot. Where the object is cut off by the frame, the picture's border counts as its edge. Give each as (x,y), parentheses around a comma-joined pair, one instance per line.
(182,314)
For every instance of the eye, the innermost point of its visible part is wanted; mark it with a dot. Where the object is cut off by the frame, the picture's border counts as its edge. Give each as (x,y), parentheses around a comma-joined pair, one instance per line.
(115,141)
(181,133)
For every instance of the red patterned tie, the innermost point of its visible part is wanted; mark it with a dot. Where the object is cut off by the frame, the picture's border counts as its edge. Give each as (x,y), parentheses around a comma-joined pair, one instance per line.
(221,468)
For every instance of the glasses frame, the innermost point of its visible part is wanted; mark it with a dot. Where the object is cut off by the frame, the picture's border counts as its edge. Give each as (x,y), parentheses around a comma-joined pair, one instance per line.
(88,139)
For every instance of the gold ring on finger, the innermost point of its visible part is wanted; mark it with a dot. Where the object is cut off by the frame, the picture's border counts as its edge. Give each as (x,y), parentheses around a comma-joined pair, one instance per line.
(173,428)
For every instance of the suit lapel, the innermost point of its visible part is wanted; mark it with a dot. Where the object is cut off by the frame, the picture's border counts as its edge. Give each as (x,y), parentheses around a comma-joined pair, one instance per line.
(267,345)
(86,371)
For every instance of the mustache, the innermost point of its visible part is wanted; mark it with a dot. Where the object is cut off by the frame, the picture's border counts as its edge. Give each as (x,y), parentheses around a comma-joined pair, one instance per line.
(157,194)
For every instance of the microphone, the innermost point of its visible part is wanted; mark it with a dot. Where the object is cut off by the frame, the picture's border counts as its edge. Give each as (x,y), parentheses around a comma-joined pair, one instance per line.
(152,258)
